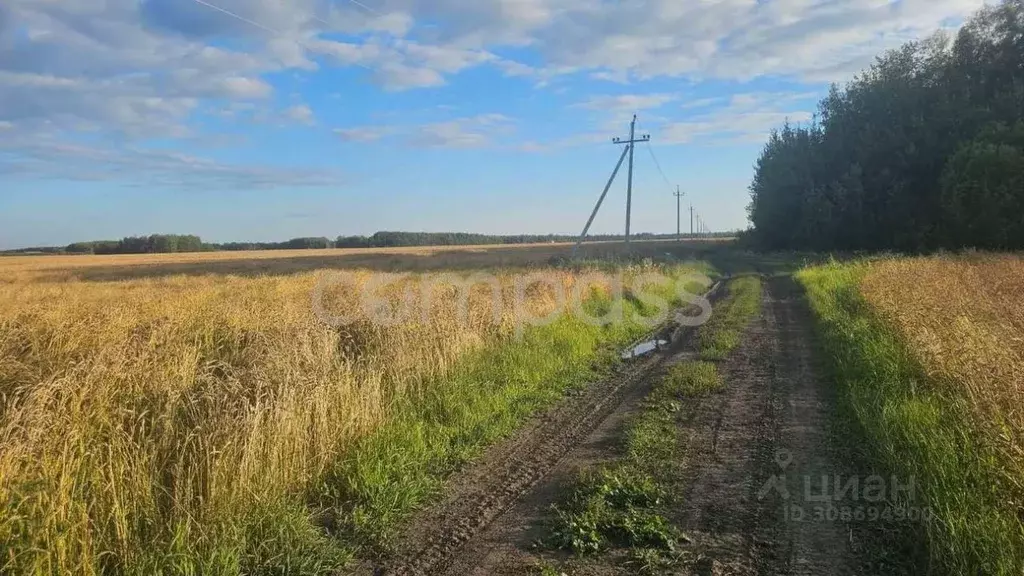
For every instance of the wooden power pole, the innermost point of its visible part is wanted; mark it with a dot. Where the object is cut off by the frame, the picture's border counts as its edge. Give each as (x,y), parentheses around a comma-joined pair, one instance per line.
(629,184)
(679,228)
(627,151)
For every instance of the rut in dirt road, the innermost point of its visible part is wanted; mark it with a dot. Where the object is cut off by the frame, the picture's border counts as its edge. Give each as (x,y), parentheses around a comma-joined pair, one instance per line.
(751,449)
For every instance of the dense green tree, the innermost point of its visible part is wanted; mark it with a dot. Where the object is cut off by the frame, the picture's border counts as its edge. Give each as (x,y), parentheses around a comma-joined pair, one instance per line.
(913,154)
(982,190)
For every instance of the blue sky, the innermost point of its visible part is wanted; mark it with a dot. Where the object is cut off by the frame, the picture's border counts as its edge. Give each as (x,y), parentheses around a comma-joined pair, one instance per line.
(270,119)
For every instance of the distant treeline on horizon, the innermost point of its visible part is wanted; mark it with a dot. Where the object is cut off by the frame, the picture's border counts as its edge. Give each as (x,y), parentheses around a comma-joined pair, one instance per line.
(173,243)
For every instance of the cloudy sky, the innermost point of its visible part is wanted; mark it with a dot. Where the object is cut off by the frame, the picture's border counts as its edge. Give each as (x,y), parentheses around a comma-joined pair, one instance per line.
(267,119)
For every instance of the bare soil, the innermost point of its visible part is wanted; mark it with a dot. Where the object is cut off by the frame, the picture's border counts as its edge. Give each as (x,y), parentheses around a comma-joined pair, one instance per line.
(750,486)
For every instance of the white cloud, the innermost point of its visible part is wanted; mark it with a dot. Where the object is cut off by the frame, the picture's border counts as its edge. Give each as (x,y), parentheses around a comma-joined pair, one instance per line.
(480,131)
(300,113)
(244,88)
(733,119)
(746,118)
(44,157)
(627,102)
(401,64)
(395,76)
(364,133)
(738,39)
(471,132)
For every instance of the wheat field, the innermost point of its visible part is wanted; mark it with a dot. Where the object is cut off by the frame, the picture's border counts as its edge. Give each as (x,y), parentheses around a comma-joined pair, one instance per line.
(62,268)
(963,318)
(161,424)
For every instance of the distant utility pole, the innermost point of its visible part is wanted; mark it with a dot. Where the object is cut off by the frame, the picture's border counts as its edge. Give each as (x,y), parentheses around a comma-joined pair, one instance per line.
(679,221)
(691,220)
(628,150)
(629,184)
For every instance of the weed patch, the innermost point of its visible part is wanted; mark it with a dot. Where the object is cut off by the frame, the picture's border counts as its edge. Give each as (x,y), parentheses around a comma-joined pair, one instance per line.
(613,507)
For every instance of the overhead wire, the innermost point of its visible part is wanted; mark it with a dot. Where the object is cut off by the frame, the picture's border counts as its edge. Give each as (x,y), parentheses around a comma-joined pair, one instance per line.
(650,150)
(367,8)
(242,18)
(654,157)
(658,164)
(266,28)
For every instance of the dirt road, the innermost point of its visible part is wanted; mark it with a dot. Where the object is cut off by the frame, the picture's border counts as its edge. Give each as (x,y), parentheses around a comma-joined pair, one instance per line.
(757,456)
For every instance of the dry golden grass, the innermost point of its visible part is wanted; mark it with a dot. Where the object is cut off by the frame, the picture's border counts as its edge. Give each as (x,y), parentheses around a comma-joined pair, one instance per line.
(147,419)
(181,401)
(132,266)
(964,320)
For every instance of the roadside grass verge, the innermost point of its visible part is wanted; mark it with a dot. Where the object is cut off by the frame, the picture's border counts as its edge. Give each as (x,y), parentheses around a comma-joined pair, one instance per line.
(393,471)
(916,415)
(624,504)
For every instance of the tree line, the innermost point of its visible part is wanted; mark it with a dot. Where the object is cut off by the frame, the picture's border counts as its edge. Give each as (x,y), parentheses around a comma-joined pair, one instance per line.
(171,243)
(924,150)
(155,243)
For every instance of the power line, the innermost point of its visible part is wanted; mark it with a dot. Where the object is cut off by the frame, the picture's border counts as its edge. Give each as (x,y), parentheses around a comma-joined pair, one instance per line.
(243,19)
(631,144)
(679,227)
(373,11)
(650,149)
(367,8)
(658,164)
(277,32)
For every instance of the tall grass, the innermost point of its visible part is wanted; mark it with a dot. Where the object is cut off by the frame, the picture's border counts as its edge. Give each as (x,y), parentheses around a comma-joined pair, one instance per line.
(214,425)
(924,354)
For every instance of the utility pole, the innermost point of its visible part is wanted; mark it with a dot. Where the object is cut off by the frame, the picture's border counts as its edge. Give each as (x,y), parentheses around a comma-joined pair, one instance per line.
(691,220)
(679,228)
(629,185)
(627,151)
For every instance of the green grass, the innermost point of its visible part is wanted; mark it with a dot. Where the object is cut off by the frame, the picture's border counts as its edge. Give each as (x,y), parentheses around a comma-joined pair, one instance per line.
(912,430)
(690,380)
(613,506)
(729,318)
